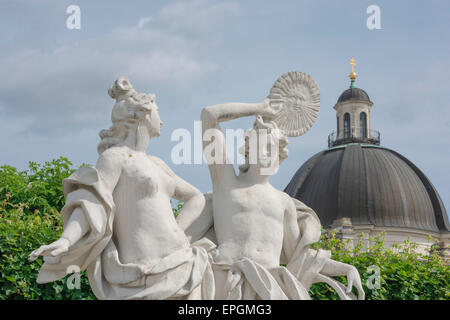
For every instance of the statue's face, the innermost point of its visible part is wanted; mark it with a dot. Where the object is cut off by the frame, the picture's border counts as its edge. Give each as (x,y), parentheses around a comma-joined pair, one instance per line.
(153,122)
(261,149)
(267,151)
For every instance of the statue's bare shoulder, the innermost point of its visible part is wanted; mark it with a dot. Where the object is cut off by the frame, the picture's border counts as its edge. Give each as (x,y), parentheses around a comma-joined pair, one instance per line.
(111,163)
(116,152)
(160,163)
(286,199)
(113,157)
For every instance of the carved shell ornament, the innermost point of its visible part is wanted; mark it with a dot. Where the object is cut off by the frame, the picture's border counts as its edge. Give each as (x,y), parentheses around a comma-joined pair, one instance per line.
(296,98)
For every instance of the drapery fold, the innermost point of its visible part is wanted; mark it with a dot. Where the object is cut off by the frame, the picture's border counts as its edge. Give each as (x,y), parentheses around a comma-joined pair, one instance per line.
(173,276)
(249,280)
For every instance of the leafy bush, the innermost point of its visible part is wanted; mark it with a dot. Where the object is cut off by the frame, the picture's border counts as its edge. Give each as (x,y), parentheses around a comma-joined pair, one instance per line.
(404,273)
(29,217)
(38,188)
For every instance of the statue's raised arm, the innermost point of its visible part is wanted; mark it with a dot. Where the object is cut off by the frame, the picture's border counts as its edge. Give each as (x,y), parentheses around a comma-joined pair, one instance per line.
(214,144)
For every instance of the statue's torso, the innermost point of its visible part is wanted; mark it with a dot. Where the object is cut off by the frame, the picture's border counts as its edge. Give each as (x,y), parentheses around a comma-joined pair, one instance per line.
(248,223)
(145,229)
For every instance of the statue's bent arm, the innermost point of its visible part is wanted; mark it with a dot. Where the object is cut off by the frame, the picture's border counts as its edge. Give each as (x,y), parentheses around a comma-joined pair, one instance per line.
(76,227)
(211,117)
(291,237)
(197,226)
(212,136)
(194,200)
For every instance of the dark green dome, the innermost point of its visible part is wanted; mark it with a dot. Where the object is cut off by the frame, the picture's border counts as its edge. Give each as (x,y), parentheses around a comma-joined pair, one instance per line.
(371,185)
(354,94)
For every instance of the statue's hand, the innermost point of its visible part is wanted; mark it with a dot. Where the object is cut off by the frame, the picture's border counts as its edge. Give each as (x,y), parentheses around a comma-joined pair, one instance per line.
(353,279)
(267,111)
(53,249)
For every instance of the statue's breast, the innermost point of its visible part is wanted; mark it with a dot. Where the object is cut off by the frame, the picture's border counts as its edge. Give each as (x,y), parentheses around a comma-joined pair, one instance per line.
(144,183)
(145,179)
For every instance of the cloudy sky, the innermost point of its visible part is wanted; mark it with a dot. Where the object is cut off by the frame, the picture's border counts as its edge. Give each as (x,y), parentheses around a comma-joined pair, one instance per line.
(194,53)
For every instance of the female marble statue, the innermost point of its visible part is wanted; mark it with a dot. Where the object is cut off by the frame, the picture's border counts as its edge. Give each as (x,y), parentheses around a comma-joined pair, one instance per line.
(118,220)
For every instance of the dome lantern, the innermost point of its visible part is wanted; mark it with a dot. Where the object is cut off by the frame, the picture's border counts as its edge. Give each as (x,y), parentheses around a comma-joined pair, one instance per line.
(353,116)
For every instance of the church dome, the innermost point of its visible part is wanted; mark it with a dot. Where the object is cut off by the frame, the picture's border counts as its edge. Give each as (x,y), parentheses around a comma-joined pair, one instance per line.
(371,185)
(354,94)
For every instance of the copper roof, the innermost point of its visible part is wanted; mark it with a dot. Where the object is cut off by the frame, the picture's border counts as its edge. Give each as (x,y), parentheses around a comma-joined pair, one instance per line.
(371,185)
(353,94)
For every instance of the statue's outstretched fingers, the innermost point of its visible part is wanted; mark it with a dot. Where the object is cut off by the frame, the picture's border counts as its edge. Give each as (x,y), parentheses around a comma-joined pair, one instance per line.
(45,250)
(38,252)
(32,256)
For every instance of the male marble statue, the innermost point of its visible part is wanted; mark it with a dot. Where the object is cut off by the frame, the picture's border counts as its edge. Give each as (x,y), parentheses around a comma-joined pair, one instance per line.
(118,220)
(256,226)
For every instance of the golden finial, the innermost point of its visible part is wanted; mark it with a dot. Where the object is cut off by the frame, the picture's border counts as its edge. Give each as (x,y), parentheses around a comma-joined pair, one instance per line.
(353,75)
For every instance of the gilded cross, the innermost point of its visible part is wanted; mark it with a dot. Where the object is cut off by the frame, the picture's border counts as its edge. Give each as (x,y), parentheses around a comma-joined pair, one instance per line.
(352,75)
(352,62)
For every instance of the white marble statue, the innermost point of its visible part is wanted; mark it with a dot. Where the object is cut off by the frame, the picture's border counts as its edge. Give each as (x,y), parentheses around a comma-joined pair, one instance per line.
(246,240)
(118,220)
(256,226)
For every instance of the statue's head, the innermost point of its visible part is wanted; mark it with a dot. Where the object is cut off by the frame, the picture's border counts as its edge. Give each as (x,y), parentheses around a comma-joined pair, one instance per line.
(121,88)
(132,111)
(265,147)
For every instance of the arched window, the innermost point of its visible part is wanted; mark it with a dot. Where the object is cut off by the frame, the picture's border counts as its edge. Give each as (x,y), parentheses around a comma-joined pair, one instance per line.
(363,125)
(337,118)
(347,125)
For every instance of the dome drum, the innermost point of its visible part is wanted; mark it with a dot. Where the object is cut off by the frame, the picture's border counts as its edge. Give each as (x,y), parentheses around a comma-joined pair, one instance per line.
(374,137)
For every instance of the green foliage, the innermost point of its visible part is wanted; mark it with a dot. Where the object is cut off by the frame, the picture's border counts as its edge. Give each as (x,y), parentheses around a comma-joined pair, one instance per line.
(177,209)
(38,188)
(29,217)
(404,273)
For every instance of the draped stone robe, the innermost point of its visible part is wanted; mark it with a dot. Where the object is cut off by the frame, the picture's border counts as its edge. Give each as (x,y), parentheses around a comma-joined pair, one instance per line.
(173,276)
(249,280)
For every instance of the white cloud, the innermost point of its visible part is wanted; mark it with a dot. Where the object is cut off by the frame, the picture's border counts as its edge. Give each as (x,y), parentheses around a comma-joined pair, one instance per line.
(197,15)
(143,21)
(66,86)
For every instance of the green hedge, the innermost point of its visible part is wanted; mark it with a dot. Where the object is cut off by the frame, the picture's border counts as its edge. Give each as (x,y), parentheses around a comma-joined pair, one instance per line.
(29,217)
(404,273)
